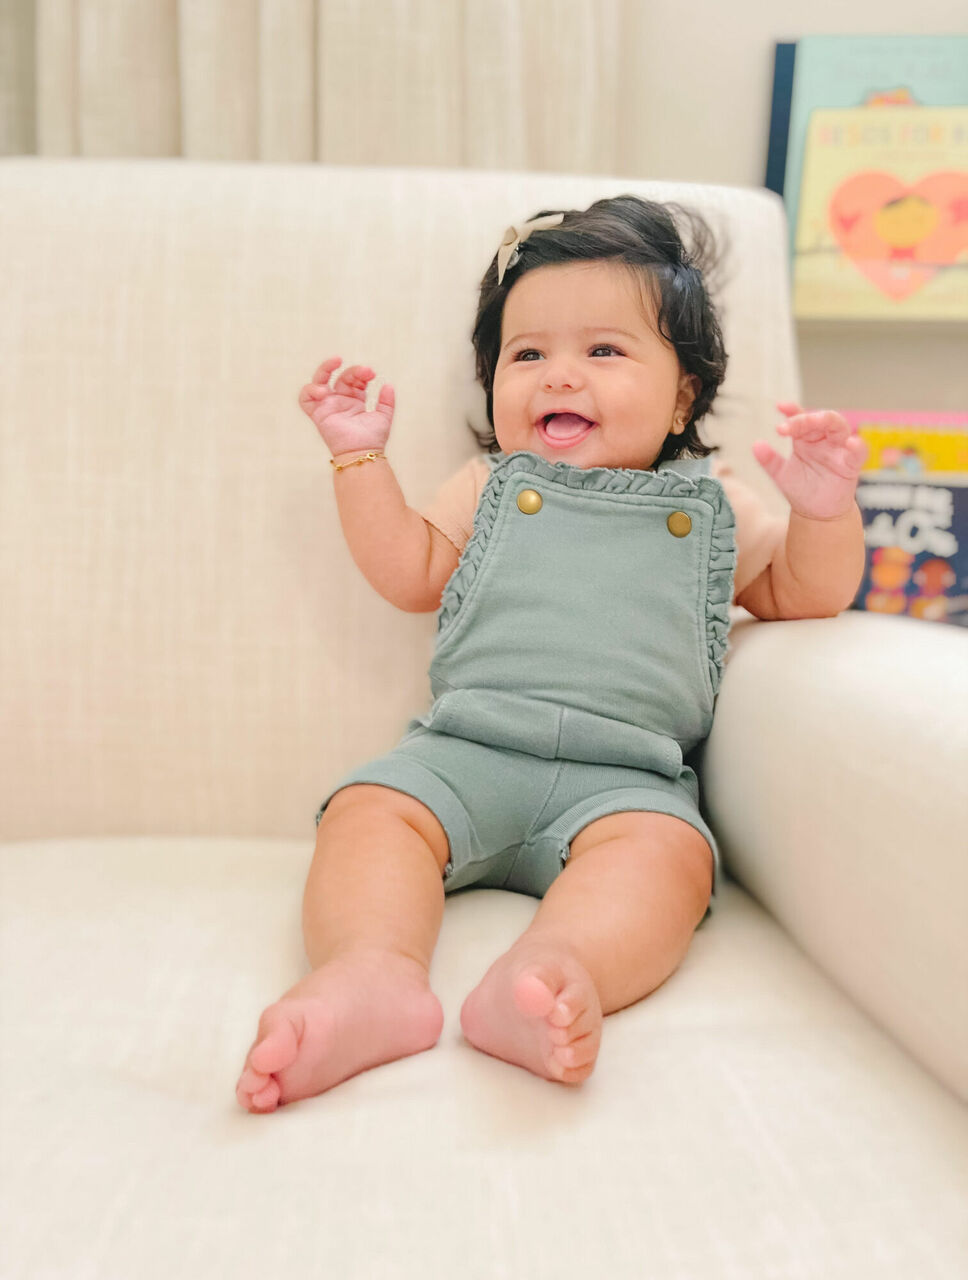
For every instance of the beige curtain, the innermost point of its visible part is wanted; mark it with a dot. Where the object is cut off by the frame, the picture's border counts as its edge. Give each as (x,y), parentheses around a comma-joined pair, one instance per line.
(510,84)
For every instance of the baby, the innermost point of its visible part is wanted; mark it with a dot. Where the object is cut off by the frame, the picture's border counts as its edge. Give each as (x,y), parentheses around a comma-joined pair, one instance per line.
(584,570)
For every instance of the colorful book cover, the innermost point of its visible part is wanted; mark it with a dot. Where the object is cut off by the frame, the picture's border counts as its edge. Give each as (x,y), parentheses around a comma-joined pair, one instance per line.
(913,496)
(859,71)
(882,228)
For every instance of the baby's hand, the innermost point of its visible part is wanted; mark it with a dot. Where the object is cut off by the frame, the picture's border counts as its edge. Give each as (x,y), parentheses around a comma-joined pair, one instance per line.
(339,412)
(820,477)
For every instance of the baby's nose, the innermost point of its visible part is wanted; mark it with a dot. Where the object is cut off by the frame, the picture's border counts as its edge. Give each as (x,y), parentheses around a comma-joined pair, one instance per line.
(561,375)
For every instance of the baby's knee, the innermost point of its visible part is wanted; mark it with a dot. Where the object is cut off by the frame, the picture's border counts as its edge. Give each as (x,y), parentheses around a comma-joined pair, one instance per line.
(366,803)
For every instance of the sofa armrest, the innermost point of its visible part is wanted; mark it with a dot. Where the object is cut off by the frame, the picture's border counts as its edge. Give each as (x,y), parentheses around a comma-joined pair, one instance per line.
(835,779)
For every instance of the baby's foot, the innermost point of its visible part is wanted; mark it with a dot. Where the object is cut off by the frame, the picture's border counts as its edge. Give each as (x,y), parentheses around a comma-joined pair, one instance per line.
(358,1010)
(538,1008)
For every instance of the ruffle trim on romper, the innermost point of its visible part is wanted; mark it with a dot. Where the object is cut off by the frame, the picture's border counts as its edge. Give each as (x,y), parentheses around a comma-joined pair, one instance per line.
(663,483)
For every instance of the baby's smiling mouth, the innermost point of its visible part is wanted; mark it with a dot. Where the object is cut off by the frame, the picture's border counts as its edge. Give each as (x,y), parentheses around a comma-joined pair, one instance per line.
(561,430)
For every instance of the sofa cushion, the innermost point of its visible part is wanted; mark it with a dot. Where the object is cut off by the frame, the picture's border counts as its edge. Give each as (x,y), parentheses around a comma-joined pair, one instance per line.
(743,1120)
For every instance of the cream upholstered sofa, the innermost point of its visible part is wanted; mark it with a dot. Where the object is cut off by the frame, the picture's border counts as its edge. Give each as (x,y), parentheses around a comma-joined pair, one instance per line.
(189,658)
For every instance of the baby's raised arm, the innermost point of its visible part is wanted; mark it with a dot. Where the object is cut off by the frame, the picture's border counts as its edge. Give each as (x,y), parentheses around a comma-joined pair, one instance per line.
(391,543)
(817,567)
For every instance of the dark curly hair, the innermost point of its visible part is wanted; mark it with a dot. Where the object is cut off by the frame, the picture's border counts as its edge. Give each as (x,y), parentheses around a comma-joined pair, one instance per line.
(645,237)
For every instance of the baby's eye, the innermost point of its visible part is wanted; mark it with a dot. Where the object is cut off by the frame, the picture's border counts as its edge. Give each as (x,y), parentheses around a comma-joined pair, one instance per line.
(527,354)
(607,348)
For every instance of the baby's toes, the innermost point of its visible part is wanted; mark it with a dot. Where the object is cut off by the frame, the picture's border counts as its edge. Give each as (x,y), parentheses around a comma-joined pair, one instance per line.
(260,1094)
(580,1052)
(279,1036)
(267,1099)
(276,1048)
(575,1032)
(577,1009)
(575,1061)
(256,1091)
(534,995)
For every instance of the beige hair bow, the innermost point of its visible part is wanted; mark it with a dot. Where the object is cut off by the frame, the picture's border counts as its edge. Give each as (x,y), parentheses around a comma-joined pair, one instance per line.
(515,237)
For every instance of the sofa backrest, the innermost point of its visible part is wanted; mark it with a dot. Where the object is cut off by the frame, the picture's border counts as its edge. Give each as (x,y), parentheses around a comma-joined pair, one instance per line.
(186,646)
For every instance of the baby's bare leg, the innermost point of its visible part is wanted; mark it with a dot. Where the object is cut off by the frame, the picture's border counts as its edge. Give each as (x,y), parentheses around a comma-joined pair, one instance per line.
(372,908)
(611,928)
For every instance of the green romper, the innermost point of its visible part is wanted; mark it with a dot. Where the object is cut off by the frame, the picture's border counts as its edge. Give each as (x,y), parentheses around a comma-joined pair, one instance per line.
(579,650)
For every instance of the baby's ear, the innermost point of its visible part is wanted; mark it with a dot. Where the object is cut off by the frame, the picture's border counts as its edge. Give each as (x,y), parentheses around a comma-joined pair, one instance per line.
(689,387)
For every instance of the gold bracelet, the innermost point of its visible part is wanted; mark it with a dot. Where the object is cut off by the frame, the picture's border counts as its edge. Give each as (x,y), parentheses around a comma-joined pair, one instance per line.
(367,457)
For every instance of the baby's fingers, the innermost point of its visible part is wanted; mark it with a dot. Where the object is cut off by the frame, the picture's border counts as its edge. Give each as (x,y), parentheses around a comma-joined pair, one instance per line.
(789,409)
(353,380)
(325,370)
(823,424)
(385,400)
(767,457)
(857,450)
(311,394)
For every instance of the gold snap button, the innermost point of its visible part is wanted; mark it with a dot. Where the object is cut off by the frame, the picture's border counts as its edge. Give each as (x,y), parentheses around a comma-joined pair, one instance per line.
(679,524)
(529,501)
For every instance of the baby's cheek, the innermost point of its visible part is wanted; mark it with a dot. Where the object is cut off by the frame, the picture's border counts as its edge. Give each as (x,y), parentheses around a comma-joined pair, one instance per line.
(510,414)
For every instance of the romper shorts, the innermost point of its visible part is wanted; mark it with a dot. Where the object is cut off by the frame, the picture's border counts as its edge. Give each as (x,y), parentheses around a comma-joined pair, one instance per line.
(510,817)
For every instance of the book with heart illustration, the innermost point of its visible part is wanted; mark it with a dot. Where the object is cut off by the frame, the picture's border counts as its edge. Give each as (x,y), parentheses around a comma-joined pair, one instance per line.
(892,248)
(882,224)
(913,496)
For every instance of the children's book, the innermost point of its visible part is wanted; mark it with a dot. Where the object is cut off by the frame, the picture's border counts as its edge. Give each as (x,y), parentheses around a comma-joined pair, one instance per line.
(895,245)
(882,227)
(913,496)
(861,71)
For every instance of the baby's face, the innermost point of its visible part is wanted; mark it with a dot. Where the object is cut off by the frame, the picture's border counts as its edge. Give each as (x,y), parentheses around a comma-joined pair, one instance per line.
(576,344)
